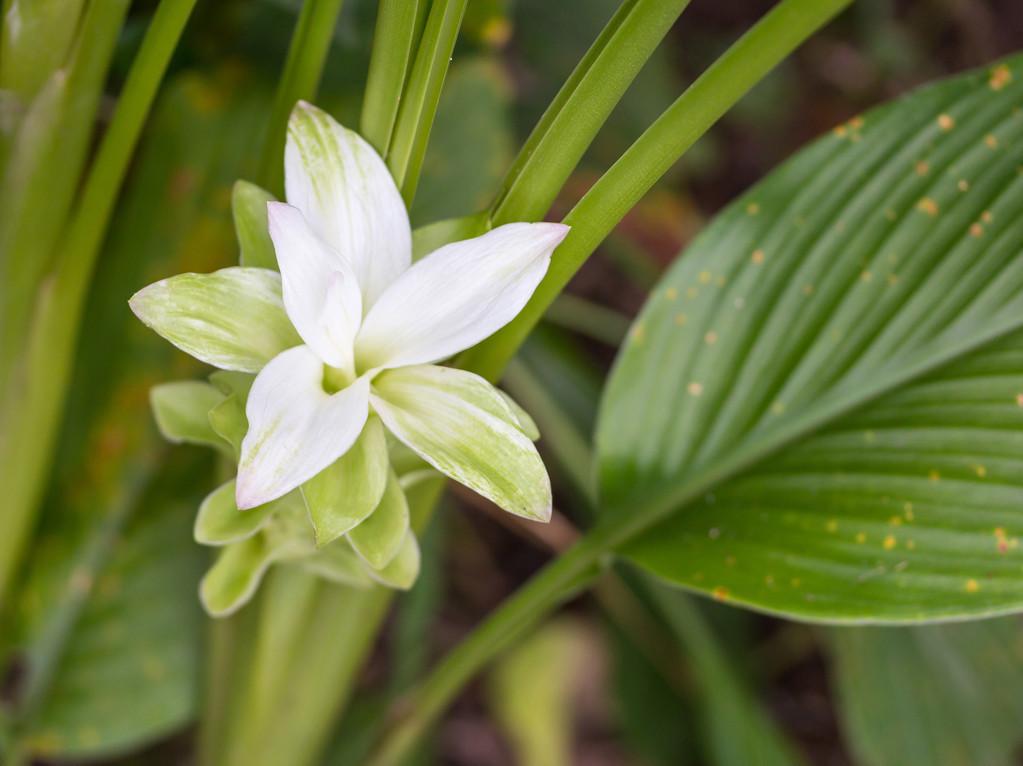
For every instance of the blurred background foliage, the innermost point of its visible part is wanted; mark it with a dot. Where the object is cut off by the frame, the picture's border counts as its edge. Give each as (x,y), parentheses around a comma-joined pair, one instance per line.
(106,631)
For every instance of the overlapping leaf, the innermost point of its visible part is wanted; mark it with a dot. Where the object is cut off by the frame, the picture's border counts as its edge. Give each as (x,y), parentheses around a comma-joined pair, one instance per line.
(829,383)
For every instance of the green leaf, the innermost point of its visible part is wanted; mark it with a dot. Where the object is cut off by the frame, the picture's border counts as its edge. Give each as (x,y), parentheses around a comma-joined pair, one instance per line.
(379,538)
(233,319)
(228,418)
(459,424)
(219,522)
(946,694)
(403,570)
(523,421)
(128,666)
(248,205)
(235,576)
(341,496)
(823,396)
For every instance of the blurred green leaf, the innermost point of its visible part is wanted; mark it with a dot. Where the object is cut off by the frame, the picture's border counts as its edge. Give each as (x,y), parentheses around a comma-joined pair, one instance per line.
(379,537)
(530,693)
(827,386)
(948,695)
(107,619)
(248,203)
(470,145)
(182,412)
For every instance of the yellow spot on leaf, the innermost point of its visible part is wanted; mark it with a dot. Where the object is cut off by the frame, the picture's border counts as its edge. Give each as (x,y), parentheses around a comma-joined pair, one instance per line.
(963,185)
(980,470)
(638,333)
(945,122)
(933,475)
(695,389)
(976,230)
(671,293)
(721,593)
(1000,76)
(922,168)
(681,319)
(710,338)
(752,208)
(705,277)
(991,141)
(807,289)
(832,525)
(986,216)
(972,586)
(757,257)
(927,205)
(866,276)
(889,542)
(861,537)
(778,407)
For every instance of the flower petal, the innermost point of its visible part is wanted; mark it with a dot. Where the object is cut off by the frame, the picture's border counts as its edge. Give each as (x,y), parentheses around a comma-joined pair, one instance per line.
(296,429)
(219,521)
(348,196)
(235,576)
(457,296)
(182,412)
(321,292)
(233,319)
(379,538)
(466,434)
(346,492)
(402,571)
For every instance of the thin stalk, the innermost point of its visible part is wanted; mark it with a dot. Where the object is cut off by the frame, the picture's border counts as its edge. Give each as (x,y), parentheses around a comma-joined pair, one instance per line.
(582,106)
(747,61)
(32,406)
(589,319)
(422,95)
(303,68)
(399,24)
(740,68)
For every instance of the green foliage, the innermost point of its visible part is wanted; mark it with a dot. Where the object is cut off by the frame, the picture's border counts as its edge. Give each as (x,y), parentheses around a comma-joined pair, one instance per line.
(827,385)
(945,695)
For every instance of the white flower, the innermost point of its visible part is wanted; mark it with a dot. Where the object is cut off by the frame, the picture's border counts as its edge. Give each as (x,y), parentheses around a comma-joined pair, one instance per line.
(351,327)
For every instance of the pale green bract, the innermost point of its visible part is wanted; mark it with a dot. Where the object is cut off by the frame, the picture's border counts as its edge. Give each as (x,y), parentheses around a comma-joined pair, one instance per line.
(344,341)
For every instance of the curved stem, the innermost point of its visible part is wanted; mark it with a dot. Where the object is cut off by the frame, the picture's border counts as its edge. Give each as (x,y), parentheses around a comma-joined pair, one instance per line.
(303,68)
(740,68)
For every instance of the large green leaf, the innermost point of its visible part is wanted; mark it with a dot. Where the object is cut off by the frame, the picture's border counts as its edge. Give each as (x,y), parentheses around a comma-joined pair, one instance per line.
(826,391)
(943,695)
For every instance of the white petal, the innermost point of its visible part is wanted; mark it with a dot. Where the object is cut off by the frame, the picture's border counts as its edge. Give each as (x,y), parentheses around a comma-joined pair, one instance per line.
(321,293)
(457,296)
(348,196)
(296,429)
(233,319)
(465,433)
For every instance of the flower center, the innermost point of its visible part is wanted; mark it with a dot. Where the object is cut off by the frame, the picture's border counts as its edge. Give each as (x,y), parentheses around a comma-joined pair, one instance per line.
(335,379)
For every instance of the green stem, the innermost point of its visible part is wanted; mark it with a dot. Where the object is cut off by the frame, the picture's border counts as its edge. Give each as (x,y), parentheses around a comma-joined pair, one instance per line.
(421,97)
(591,320)
(740,68)
(34,402)
(303,68)
(399,24)
(582,106)
(790,22)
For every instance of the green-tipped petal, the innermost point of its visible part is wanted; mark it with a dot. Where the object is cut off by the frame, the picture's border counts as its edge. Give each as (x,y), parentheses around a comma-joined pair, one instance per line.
(379,538)
(461,426)
(221,523)
(248,205)
(403,570)
(346,492)
(233,319)
(181,410)
(234,578)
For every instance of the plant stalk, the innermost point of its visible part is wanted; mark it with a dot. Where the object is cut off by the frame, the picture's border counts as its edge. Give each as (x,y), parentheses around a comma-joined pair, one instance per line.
(303,68)
(741,67)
